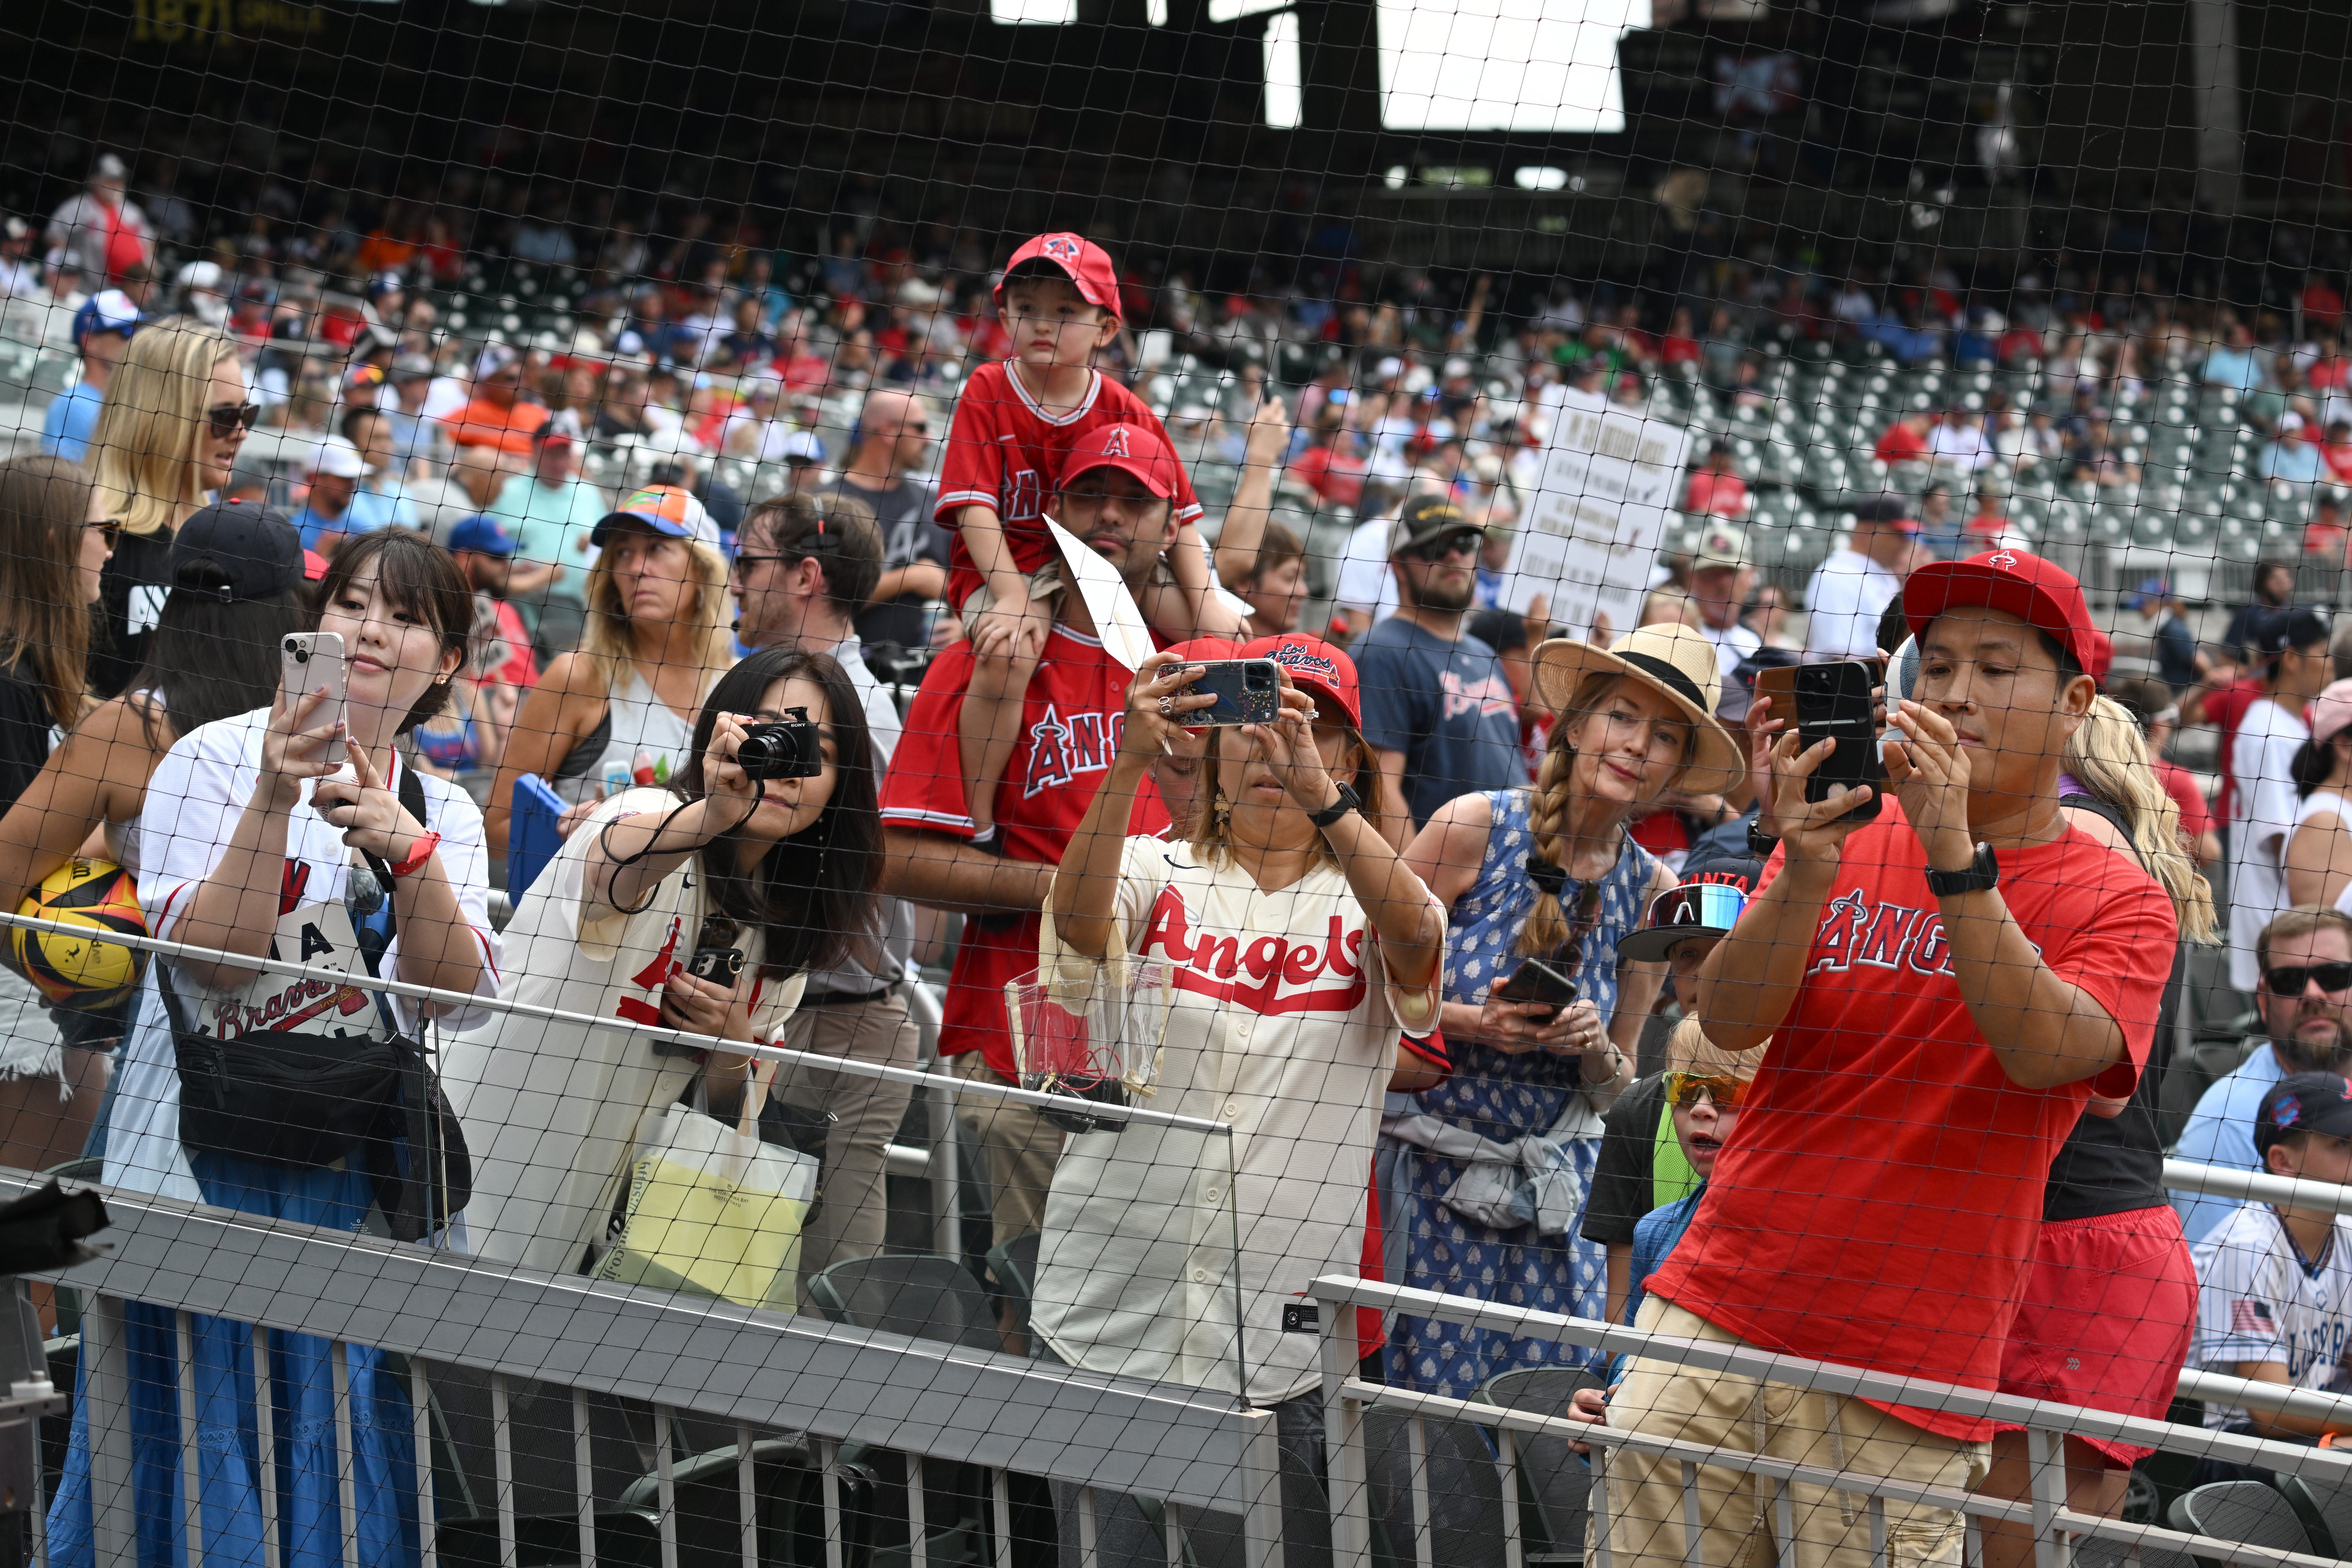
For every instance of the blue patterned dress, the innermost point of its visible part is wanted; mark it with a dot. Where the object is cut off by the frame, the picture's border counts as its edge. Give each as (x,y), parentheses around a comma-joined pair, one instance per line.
(1502,1097)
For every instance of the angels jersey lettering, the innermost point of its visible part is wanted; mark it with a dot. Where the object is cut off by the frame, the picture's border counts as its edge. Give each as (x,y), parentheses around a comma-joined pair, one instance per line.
(1004,452)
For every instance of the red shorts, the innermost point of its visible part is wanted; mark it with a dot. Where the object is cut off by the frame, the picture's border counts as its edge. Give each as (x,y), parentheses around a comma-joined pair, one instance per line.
(2108,1309)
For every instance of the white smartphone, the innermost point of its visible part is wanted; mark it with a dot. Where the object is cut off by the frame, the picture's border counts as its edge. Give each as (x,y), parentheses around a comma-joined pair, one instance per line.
(308,660)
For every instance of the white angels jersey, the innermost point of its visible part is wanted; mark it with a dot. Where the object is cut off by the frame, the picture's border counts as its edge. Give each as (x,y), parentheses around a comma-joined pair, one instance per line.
(2256,1303)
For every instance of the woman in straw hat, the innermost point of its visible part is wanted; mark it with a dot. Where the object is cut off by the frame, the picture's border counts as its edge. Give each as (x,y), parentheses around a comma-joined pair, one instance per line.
(1547,874)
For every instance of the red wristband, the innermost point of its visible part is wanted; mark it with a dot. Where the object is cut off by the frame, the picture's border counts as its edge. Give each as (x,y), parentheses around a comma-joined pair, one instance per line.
(419,852)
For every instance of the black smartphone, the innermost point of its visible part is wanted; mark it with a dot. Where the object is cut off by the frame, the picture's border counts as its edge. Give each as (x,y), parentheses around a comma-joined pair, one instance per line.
(1248,691)
(1538,980)
(1834,702)
(720,965)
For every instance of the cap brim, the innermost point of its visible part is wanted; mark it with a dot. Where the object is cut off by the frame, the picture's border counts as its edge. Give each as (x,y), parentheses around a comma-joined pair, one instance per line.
(661,525)
(1653,944)
(1162,489)
(1718,763)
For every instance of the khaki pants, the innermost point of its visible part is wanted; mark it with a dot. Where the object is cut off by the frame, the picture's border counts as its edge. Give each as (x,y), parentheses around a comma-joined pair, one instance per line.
(1736,1514)
(854,1207)
(1023,1149)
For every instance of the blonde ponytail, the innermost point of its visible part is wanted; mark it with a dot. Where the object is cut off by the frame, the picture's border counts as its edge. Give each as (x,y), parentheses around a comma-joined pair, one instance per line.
(2109,756)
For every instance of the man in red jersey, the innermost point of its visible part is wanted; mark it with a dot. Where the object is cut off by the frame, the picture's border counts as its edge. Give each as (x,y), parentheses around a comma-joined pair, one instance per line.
(1070,719)
(1944,988)
(1015,424)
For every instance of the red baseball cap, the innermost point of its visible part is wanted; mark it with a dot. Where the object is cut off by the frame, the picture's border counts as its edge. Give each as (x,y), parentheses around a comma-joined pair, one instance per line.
(1317,669)
(2044,595)
(1199,650)
(1081,260)
(1133,449)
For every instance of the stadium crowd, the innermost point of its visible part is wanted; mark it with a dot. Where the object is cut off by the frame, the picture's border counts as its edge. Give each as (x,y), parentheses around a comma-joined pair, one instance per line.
(1541,969)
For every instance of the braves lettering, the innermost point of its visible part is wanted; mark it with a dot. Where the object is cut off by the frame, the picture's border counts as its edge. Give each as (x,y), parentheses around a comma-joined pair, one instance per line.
(1061,749)
(1489,694)
(1854,931)
(1256,971)
(300,1003)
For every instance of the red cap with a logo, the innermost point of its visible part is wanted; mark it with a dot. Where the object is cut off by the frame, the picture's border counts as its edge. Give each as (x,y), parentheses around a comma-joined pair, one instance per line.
(2043,594)
(1132,448)
(1315,668)
(1085,263)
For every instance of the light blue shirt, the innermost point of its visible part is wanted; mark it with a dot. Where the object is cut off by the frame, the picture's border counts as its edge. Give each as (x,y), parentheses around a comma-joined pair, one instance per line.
(2220,1132)
(2235,368)
(552,524)
(373,508)
(2297,462)
(71,421)
(312,525)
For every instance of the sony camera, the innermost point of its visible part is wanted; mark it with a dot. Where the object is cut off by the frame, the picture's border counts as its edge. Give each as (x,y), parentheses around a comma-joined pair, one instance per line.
(785,749)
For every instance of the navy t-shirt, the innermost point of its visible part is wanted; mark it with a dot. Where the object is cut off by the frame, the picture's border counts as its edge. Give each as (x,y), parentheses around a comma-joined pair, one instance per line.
(1446,706)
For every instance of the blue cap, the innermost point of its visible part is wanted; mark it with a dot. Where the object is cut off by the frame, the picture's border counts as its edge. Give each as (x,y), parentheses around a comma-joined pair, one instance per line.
(109,311)
(483,534)
(2153,590)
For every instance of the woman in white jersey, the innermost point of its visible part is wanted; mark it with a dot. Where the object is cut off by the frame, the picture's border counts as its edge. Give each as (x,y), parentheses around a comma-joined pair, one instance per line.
(2319,850)
(619,711)
(1296,946)
(781,871)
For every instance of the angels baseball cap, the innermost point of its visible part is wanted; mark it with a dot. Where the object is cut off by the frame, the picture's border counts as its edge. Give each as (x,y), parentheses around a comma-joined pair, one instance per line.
(667,510)
(2303,1102)
(1081,260)
(2043,594)
(1315,668)
(1131,448)
(256,548)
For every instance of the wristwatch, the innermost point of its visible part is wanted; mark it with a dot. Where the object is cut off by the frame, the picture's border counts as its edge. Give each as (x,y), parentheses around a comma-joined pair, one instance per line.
(1349,801)
(1761,844)
(1983,872)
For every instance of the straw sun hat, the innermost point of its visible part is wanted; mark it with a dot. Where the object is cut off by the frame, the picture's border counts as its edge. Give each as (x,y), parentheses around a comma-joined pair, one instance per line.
(1672,659)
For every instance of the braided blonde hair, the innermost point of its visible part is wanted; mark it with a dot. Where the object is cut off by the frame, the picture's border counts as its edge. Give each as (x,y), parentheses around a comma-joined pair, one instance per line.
(2109,757)
(1548,926)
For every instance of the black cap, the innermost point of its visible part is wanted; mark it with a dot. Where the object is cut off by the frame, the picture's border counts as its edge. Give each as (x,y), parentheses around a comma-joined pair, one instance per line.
(1884,507)
(2303,1102)
(259,551)
(1504,631)
(2290,625)
(1426,517)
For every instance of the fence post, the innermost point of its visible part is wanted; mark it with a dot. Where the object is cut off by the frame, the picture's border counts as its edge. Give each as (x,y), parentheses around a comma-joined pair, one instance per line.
(1343,1442)
(1262,1457)
(107,1393)
(2046,1453)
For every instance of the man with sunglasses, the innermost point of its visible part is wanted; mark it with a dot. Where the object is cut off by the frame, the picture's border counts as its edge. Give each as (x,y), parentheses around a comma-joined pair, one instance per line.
(1438,709)
(892,438)
(2306,1008)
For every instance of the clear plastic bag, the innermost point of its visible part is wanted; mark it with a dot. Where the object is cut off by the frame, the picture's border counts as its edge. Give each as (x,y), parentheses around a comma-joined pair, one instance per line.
(1092,1032)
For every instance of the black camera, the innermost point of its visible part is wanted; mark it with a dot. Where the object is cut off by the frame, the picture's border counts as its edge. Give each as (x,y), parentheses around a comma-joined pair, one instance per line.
(785,749)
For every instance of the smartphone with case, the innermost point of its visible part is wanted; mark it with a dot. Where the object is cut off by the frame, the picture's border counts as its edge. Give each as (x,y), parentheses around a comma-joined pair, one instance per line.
(1838,702)
(308,660)
(1536,980)
(719,966)
(1248,691)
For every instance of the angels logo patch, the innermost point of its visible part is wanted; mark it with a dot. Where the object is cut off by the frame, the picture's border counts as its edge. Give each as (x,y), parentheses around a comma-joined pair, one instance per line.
(1061,246)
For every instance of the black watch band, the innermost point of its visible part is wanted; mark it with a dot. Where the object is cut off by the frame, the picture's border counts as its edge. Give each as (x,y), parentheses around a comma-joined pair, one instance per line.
(1983,872)
(1349,801)
(1761,844)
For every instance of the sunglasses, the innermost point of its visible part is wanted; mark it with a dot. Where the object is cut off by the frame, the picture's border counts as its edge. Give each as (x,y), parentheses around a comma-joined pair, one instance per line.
(229,418)
(1686,1088)
(2289,979)
(1466,543)
(110,531)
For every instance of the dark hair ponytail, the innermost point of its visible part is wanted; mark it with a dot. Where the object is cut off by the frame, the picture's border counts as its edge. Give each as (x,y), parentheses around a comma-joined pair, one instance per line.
(2314,761)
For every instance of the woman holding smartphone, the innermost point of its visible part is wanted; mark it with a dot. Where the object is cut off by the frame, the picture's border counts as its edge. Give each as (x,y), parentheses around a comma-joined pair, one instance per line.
(292,803)
(1547,875)
(763,878)
(1296,947)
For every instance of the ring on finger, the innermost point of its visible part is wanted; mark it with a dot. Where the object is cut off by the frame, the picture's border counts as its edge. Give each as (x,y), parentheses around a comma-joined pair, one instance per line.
(1167,704)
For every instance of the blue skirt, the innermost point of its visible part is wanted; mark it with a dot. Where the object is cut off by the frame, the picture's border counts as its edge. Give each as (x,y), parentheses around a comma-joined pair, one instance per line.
(302,1403)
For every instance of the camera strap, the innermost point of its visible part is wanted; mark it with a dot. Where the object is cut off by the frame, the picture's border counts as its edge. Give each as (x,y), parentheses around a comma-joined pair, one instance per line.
(622,863)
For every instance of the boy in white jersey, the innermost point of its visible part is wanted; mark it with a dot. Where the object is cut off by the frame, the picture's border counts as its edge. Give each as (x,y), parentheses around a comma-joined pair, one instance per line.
(2274,1285)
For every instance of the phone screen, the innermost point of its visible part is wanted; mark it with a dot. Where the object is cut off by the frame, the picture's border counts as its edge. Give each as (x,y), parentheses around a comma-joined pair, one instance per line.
(1834,702)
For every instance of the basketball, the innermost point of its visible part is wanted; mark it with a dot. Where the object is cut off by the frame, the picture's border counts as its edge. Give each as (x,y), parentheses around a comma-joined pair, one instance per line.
(83,971)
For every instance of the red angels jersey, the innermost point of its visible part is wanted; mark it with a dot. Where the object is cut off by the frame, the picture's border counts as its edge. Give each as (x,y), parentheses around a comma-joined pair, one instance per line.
(1071,720)
(1006,452)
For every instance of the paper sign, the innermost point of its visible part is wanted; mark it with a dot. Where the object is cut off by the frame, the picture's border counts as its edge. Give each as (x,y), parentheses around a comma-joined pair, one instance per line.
(1589,541)
(1118,619)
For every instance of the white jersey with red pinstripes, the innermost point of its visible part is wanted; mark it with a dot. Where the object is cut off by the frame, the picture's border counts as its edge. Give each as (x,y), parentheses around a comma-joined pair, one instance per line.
(1005,451)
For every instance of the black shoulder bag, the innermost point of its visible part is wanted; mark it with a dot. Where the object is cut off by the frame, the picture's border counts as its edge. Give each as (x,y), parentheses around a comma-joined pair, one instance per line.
(300,1101)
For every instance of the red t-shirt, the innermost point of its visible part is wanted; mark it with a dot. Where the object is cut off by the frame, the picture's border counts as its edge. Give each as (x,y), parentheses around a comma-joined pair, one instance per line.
(1901,443)
(521,668)
(1879,1201)
(1003,452)
(2196,817)
(1334,477)
(2225,710)
(1070,724)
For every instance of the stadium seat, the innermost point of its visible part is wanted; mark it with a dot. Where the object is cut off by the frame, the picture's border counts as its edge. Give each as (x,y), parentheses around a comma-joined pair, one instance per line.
(2246,1511)
(920,1296)
(2326,1512)
(1555,1483)
(1013,1265)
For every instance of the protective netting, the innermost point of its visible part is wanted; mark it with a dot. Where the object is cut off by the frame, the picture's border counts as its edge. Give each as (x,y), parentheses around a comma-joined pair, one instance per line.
(882,783)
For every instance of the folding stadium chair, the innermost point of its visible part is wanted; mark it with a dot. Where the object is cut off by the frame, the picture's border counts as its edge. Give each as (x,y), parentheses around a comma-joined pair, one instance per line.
(920,1296)
(1555,1483)
(1013,1265)
(2325,1509)
(2241,1510)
